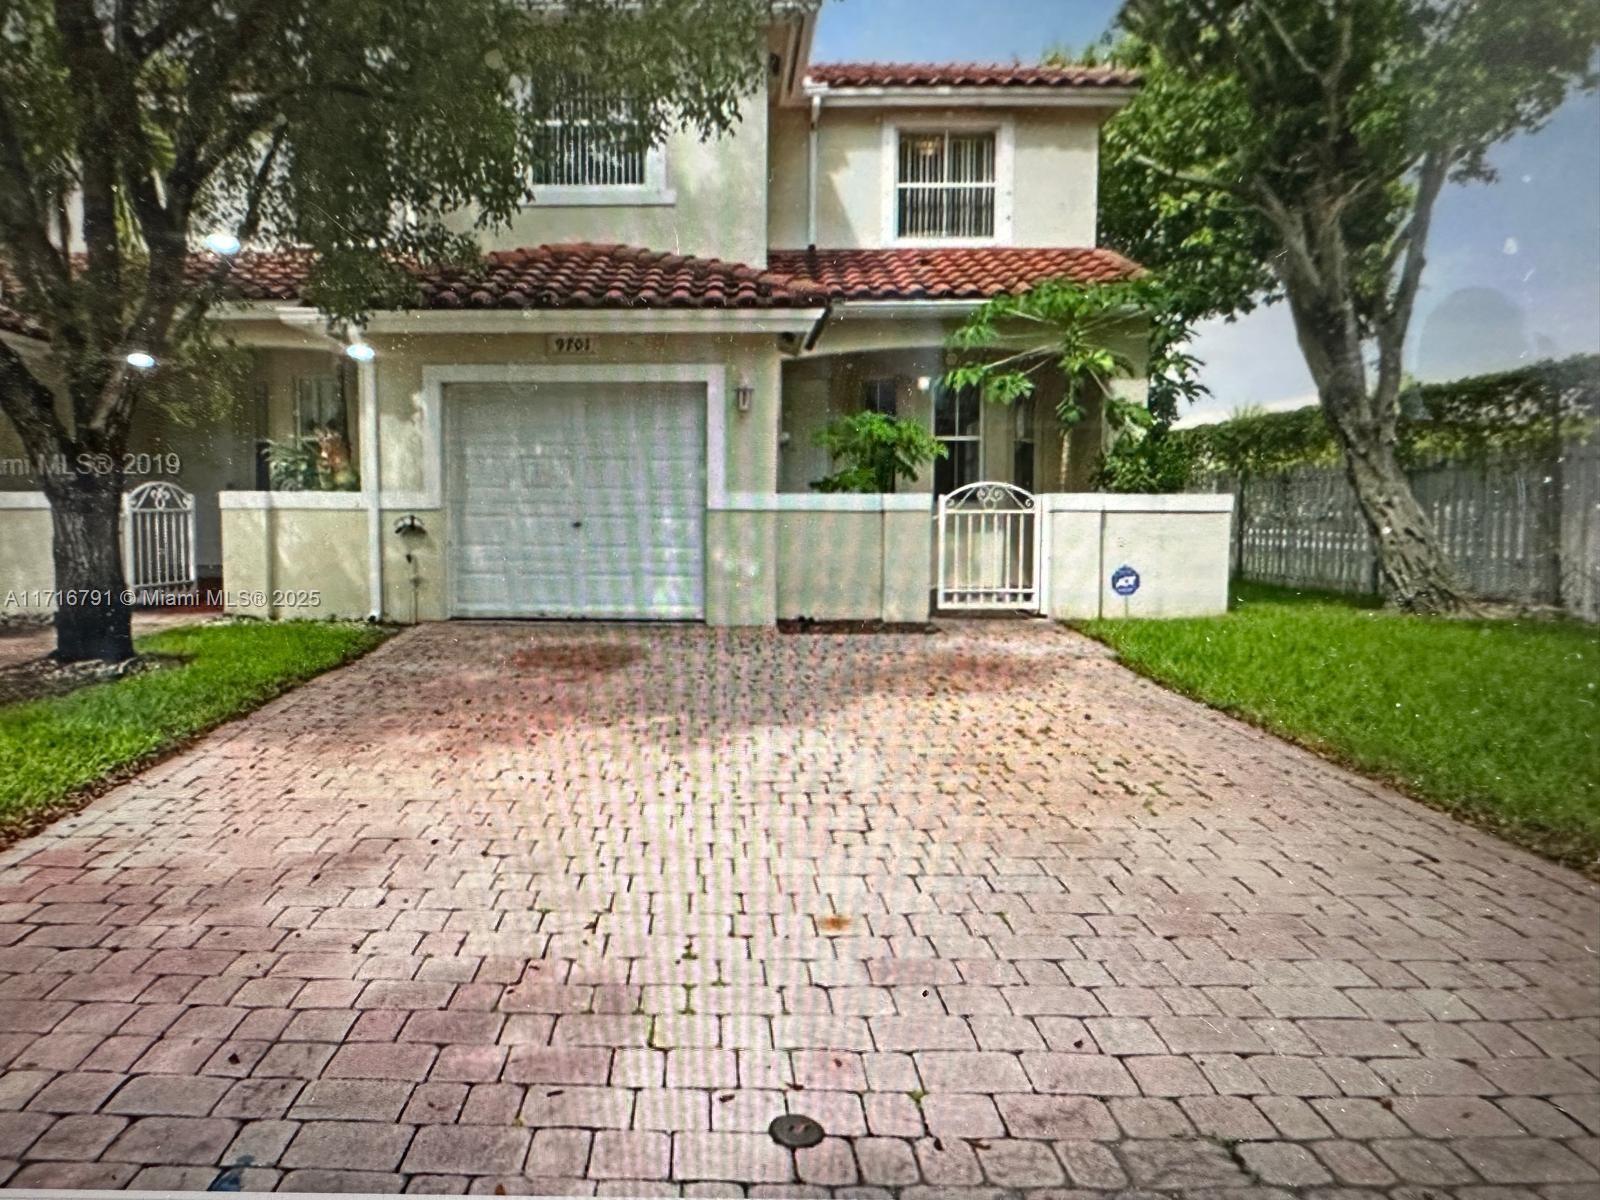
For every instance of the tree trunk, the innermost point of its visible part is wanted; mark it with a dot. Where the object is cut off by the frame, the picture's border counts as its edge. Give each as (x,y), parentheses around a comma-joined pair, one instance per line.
(1415,573)
(94,618)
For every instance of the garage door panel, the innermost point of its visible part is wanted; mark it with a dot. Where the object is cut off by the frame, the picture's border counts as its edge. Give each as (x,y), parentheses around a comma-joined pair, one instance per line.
(577,500)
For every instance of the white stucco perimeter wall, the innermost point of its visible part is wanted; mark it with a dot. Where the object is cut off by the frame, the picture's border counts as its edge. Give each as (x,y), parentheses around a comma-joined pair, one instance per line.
(841,557)
(1177,546)
(27,565)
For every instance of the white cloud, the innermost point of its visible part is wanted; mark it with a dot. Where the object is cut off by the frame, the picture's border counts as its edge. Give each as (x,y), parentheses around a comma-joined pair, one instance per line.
(1254,362)
(1211,416)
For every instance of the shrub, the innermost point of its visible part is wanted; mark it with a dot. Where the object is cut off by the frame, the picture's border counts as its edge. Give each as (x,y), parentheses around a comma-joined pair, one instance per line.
(874,452)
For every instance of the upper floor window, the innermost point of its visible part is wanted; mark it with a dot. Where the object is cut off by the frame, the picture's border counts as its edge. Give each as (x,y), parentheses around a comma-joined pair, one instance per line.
(947,185)
(589,150)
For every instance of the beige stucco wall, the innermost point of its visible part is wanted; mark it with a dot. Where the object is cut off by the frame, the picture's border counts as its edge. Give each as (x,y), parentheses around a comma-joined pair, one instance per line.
(717,210)
(750,458)
(415,590)
(26,565)
(295,563)
(1052,187)
(907,565)
(739,580)
(1177,544)
(741,558)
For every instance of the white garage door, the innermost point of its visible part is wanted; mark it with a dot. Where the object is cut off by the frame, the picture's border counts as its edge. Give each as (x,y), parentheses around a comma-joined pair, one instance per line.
(577,500)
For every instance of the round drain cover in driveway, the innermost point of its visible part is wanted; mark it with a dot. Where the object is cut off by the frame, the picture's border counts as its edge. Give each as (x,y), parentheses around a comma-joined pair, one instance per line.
(795,1132)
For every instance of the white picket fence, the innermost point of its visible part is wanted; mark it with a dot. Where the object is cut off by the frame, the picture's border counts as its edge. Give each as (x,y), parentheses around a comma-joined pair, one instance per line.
(1526,531)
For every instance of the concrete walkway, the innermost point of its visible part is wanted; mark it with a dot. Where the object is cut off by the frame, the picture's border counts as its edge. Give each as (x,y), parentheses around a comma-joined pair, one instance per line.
(582,909)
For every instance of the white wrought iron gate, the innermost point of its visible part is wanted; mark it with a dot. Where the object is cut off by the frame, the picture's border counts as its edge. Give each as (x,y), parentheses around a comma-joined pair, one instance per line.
(989,542)
(158,540)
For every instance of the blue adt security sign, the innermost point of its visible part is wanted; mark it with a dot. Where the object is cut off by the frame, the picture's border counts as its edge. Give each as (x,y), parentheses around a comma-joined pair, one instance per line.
(1124,581)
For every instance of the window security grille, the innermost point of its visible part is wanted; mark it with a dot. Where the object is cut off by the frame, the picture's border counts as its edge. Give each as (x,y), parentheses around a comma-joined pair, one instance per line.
(946,185)
(590,140)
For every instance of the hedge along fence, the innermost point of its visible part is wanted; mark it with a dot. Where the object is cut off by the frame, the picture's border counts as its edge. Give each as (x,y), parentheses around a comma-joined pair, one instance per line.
(1506,465)
(1522,415)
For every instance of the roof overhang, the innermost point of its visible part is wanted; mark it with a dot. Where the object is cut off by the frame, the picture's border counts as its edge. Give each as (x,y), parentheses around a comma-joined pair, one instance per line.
(753,321)
(797,52)
(593,320)
(905,310)
(1106,98)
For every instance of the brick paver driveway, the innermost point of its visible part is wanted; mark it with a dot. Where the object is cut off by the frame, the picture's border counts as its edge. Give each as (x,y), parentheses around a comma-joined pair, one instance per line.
(558,909)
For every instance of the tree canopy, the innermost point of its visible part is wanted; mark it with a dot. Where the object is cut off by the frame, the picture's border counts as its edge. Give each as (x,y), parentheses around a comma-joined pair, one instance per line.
(370,133)
(1311,139)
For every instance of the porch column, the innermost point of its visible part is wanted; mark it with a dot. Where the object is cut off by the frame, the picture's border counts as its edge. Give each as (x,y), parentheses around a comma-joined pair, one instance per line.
(371,482)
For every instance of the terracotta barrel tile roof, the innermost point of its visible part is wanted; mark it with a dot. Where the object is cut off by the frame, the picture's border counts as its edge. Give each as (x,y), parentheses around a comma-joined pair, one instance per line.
(873,74)
(575,275)
(257,275)
(585,275)
(954,274)
(263,275)
(589,276)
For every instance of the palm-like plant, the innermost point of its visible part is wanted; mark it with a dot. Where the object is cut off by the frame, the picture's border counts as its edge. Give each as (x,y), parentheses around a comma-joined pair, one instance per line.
(1056,326)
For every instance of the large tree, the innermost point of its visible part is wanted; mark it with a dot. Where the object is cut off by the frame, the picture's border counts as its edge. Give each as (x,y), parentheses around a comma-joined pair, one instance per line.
(1298,148)
(132,130)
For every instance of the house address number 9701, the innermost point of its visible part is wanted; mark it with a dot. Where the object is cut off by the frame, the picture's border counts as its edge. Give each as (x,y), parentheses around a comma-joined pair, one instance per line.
(572,345)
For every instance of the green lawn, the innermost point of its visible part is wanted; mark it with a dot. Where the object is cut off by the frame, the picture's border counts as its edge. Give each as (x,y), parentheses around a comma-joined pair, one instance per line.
(1495,721)
(51,748)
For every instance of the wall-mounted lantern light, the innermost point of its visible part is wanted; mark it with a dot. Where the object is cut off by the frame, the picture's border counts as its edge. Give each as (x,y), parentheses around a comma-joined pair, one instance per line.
(744,396)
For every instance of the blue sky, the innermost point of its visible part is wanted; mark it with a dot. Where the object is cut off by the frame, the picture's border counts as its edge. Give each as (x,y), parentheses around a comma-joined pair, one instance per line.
(1514,268)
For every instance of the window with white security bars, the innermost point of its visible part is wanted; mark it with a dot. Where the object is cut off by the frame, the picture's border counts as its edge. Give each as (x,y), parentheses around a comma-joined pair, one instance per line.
(946,186)
(590,143)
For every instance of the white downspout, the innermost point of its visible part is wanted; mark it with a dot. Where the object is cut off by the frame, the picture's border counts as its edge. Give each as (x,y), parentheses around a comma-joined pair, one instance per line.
(811,171)
(367,386)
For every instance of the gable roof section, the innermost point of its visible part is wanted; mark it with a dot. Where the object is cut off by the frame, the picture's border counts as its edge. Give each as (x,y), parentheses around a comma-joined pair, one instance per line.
(954,274)
(967,75)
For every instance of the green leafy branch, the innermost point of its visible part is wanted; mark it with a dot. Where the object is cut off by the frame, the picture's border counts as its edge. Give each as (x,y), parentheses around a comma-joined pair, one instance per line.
(877,452)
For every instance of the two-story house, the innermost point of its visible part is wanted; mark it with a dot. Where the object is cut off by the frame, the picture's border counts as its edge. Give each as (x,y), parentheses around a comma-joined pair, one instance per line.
(616,417)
